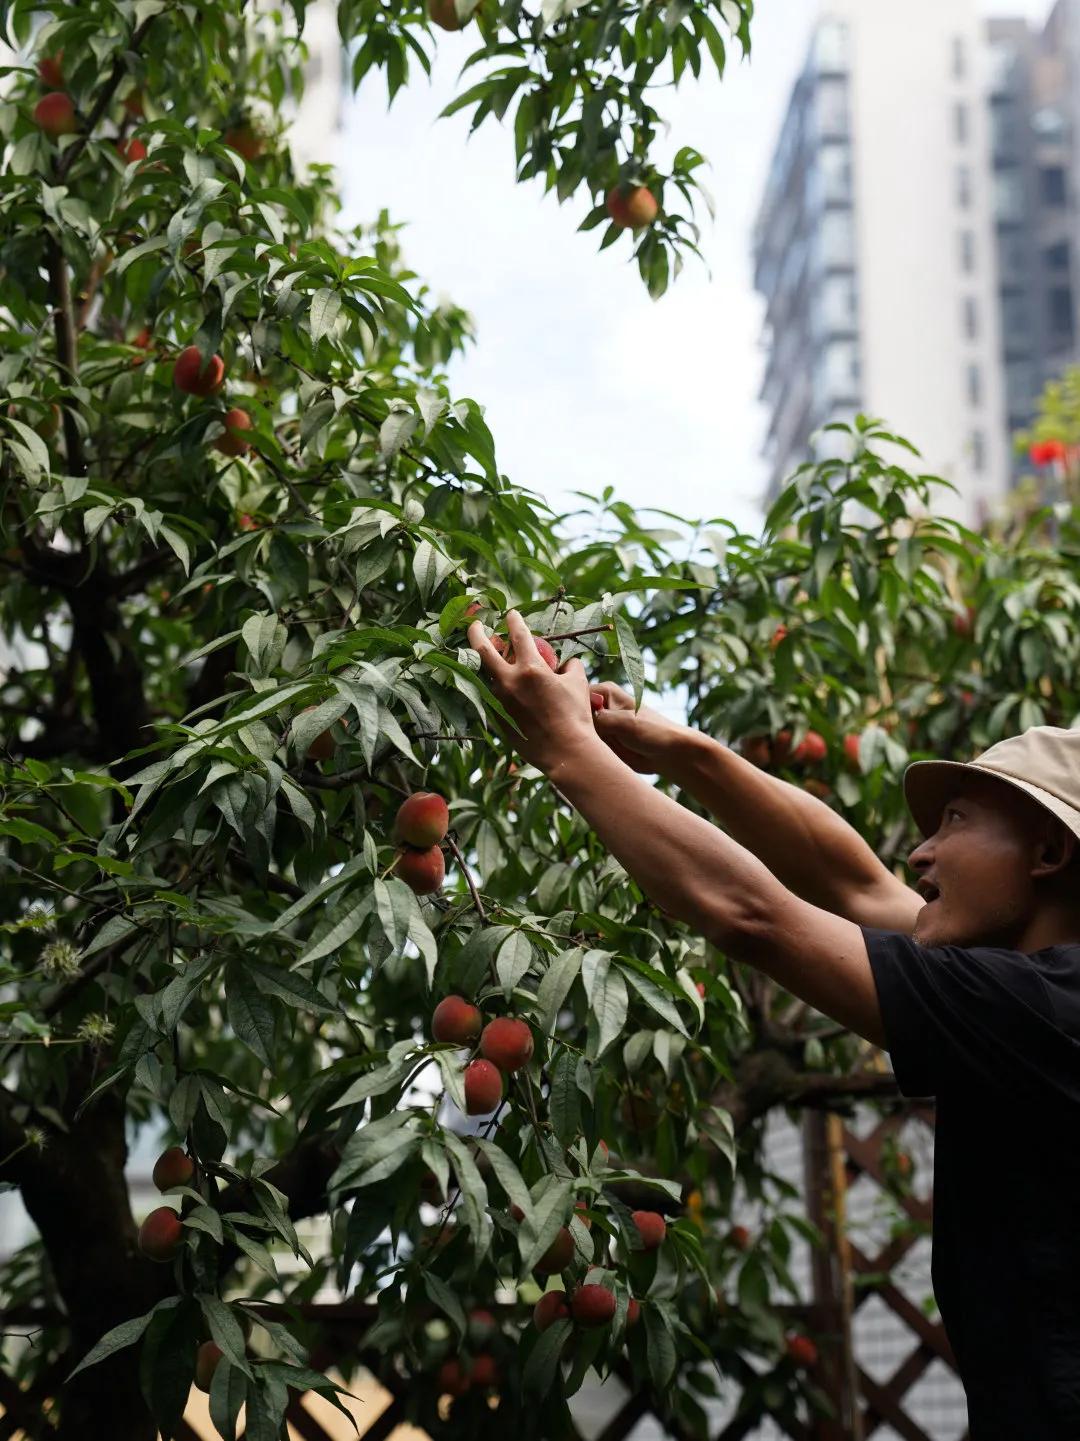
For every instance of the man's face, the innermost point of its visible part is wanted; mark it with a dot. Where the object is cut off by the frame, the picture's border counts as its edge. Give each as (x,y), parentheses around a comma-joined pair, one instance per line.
(975,871)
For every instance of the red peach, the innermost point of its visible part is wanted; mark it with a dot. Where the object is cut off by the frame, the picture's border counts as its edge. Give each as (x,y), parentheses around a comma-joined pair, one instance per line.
(234,442)
(779,635)
(507,1042)
(50,71)
(740,1238)
(592,1305)
(452,1378)
(757,750)
(584,1217)
(206,1363)
(631,207)
(801,1350)
(652,1228)
(483,1088)
(133,103)
(55,113)
(131,150)
(559,1254)
(422,871)
(485,1371)
(245,140)
(161,1234)
(192,377)
(455,1019)
(545,648)
(633,1313)
(851,749)
(444,14)
(422,820)
(173,1167)
(551,1307)
(810,750)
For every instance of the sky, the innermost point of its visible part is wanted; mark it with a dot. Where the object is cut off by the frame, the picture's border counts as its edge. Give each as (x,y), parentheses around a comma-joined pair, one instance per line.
(586,381)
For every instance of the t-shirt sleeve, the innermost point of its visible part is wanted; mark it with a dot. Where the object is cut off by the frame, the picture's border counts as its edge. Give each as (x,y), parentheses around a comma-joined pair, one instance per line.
(957,1017)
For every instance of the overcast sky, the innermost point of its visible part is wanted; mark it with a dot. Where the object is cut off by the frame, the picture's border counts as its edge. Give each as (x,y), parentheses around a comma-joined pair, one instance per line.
(587,382)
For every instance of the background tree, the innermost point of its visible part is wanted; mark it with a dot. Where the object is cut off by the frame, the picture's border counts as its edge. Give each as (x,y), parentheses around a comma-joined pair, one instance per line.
(244,527)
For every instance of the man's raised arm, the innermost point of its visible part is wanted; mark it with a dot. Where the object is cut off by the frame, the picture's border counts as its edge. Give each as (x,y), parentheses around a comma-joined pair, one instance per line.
(806,845)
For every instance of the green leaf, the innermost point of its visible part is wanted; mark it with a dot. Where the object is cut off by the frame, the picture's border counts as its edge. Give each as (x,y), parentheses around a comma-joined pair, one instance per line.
(447,1302)
(555,986)
(473,1192)
(228,1392)
(250,1014)
(660,1343)
(514,959)
(288,986)
(650,992)
(543,1363)
(631,657)
(542,1222)
(564,1101)
(325,308)
(126,1334)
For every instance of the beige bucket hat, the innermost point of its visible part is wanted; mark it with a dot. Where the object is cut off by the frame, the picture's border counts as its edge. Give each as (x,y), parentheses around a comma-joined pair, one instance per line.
(1044,763)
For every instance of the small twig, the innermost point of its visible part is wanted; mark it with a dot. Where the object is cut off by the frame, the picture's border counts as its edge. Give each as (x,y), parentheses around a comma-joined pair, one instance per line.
(447,736)
(477,902)
(573,634)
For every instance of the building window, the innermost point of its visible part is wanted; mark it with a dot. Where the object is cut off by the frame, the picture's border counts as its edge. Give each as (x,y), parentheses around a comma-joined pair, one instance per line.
(1052,185)
(1056,257)
(974,385)
(978,451)
(831,45)
(959,57)
(836,239)
(971,318)
(1048,123)
(967,251)
(1016,321)
(1020,386)
(963,186)
(1009,205)
(1060,312)
(832,108)
(960,123)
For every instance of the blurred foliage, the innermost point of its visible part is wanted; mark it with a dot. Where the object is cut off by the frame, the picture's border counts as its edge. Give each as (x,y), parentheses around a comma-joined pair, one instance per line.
(200,930)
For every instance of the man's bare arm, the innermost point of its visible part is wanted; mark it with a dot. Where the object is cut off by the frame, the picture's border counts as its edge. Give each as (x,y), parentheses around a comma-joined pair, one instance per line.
(809,848)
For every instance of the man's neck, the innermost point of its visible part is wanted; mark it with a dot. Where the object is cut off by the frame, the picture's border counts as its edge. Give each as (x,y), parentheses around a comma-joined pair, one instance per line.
(1053,925)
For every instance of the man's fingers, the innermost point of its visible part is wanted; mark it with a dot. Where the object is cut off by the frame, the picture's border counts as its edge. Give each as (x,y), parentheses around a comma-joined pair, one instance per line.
(521,637)
(492,661)
(574,667)
(614,695)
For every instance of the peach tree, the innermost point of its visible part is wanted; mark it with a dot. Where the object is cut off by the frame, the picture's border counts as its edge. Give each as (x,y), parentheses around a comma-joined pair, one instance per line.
(245,524)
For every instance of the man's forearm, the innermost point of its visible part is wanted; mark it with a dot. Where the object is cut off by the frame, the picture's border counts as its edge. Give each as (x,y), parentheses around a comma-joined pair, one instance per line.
(809,848)
(682,862)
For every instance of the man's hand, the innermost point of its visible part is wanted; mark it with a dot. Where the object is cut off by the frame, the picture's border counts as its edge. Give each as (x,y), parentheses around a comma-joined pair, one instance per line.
(550,708)
(643,739)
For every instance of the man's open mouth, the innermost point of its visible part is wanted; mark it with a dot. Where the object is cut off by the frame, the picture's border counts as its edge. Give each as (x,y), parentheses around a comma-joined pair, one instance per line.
(928,891)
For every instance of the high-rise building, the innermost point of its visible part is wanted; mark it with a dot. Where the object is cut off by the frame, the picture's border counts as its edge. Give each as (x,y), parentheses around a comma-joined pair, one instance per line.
(1034,102)
(876,246)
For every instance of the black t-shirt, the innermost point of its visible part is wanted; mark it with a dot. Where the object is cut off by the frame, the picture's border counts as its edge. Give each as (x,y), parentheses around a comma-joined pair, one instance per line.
(995,1036)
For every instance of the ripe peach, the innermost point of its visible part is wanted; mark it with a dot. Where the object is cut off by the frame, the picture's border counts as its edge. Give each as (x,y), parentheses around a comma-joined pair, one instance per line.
(584,1217)
(699,986)
(133,103)
(50,71)
(756,750)
(482,1325)
(547,651)
(206,1363)
(652,1228)
(193,378)
(455,1019)
(444,14)
(551,1307)
(633,1313)
(485,1371)
(631,207)
(592,1305)
(161,1234)
(810,750)
(452,1378)
(483,1088)
(559,1254)
(963,622)
(422,820)
(245,140)
(851,749)
(422,871)
(516,1211)
(801,1350)
(740,1238)
(143,339)
(131,150)
(233,442)
(779,635)
(173,1167)
(507,1042)
(55,113)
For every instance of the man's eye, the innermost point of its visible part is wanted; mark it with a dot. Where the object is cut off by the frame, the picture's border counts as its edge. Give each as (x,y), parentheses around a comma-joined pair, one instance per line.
(951,812)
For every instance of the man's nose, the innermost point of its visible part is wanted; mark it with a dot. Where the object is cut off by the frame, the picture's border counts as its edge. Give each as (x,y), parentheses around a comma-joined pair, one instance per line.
(922,857)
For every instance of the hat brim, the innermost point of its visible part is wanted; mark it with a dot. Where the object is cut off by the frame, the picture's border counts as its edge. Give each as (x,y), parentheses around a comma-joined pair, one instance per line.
(928,785)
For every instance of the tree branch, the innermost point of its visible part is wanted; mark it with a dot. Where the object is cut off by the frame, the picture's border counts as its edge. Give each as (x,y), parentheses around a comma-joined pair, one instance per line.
(67,349)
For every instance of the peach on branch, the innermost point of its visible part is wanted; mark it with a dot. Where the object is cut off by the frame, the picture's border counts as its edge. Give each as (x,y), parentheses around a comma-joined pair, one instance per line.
(161,1234)
(551,1307)
(206,1363)
(592,1305)
(507,1042)
(810,750)
(484,1372)
(633,1313)
(651,1227)
(194,377)
(173,1167)
(131,150)
(801,1350)
(452,1379)
(852,742)
(422,871)
(422,820)
(456,1019)
(50,69)
(559,1254)
(234,441)
(740,1238)
(582,1207)
(483,1088)
(482,1325)
(546,649)
(55,113)
(444,14)
(757,750)
(133,103)
(245,140)
(631,207)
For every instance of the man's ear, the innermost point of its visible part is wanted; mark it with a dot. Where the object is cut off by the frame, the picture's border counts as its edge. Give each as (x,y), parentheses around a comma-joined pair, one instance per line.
(1056,851)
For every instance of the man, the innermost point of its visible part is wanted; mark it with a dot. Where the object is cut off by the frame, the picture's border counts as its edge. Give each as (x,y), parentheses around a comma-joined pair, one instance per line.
(972,981)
